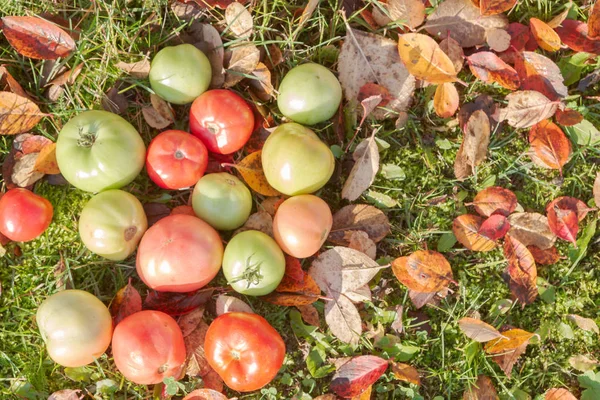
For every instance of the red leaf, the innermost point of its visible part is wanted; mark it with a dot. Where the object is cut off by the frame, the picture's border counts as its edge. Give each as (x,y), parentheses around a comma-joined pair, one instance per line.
(570,203)
(522,271)
(563,223)
(373,89)
(541,74)
(488,67)
(127,301)
(293,271)
(575,35)
(36,38)
(495,200)
(177,303)
(355,376)
(495,227)
(519,35)
(568,117)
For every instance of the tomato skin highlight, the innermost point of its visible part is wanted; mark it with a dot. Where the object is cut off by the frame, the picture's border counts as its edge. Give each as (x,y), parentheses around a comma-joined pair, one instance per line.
(180,253)
(148,346)
(302,224)
(222,120)
(24,215)
(245,350)
(176,159)
(76,327)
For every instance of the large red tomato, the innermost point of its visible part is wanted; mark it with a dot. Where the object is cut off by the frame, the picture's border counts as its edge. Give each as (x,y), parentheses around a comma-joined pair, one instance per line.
(179,253)
(244,350)
(222,120)
(176,159)
(24,215)
(148,346)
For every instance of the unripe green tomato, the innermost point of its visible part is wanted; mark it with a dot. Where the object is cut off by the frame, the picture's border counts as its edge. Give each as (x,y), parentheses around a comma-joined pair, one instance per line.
(253,263)
(76,327)
(222,200)
(180,73)
(112,223)
(295,161)
(309,94)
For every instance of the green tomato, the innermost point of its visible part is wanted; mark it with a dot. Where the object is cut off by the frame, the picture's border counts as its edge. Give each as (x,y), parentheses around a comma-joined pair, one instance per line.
(295,161)
(222,200)
(180,73)
(253,263)
(309,94)
(112,224)
(99,150)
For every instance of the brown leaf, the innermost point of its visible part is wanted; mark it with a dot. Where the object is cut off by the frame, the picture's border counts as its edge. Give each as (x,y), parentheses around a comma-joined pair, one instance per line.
(68,77)
(155,212)
(424,271)
(36,38)
(498,39)
(206,38)
(494,227)
(557,20)
(227,304)
(359,240)
(139,69)
(522,271)
(196,364)
(114,101)
(454,52)
(154,118)
(559,394)
(406,373)
(244,59)
(17,114)
(482,102)
(445,100)
(493,7)
(482,390)
(544,257)
(67,394)
(488,67)
(575,35)
(27,143)
(372,89)
(550,147)
(583,363)
(539,73)
(362,175)
(507,350)
(307,12)
(424,59)
(463,22)
(126,302)
(12,83)
(478,330)
(162,107)
(531,229)
(24,173)
(239,20)
(190,321)
(261,84)
(466,229)
(526,108)
(46,160)
(355,376)
(421,299)
(593,21)
(586,324)
(296,288)
(568,117)
(177,303)
(544,35)
(409,13)
(309,314)
(187,11)
(251,170)
(495,200)
(271,204)
(259,221)
(274,56)
(359,217)
(473,149)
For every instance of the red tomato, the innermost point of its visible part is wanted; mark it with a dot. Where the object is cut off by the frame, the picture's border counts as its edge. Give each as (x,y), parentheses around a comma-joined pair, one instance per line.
(244,350)
(176,159)
(24,215)
(148,346)
(179,253)
(222,120)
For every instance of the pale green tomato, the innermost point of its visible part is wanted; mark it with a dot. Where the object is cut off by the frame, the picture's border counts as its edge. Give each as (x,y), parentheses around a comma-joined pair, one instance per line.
(295,161)
(112,224)
(76,327)
(222,200)
(309,94)
(99,150)
(253,263)
(180,73)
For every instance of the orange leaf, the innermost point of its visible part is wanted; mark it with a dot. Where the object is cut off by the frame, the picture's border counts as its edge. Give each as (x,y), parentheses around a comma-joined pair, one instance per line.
(550,147)
(406,373)
(250,168)
(568,117)
(478,330)
(494,227)
(488,67)
(466,229)
(594,22)
(507,350)
(309,314)
(547,256)
(17,114)
(13,85)
(544,35)
(37,38)
(521,270)
(27,143)
(538,72)
(424,58)
(187,210)
(297,288)
(482,390)
(559,394)
(424,271)
(493,7)
(445,101)
(575,35)
(494,200)
(46,161)
(372,89)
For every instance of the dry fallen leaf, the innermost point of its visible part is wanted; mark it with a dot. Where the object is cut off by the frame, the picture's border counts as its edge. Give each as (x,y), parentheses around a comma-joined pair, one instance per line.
(538,72)
(17,114)
(227,304)
(261,83)
(357,375)
(423,271)
(498,39)
(445,100)
(559,394)
(563,222)
(478,330)
(526,108)
(114,102)
(473,149)
(587,324)
(424,58)
(259,221)
(154,118)
(494,200)
(410,13)
(483,389)
(126,302)
(250,168)
(568,117)
(575,35)
(544,257)
(24,173)
(488,67)
(521,270)
(597,190)
(244,59)
(557,20)
(507,350)
(206,38)
(138,69)
(545,36)
(366,165)
(466,229)
(406,373)
(594,21)
(239,20)
(37,38)
(309,314)
(67,394)
(358,217)
(296,288)
(454,52)
(46,160)
(583,363)
(531,229)
(359,240)
(550,147)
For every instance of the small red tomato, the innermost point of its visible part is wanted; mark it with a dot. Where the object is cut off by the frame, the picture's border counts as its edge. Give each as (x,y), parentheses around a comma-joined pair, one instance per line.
(24,215)
(148,346)
(222,120)
(244,350)
(176,159)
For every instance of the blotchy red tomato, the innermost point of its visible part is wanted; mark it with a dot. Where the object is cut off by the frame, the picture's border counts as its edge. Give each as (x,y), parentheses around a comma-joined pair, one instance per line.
(179,253)
(24,215)
(222,120)
(176,159)
(244,350)
(148,346)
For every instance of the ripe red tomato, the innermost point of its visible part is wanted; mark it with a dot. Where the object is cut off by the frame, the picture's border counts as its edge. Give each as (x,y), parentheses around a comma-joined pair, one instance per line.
(244,350)
(176,159)
(148,346)
(222,120)
(179,253)
(24,215)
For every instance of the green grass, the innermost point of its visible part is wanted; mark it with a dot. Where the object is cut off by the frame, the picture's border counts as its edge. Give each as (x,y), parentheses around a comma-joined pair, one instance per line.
(428,199)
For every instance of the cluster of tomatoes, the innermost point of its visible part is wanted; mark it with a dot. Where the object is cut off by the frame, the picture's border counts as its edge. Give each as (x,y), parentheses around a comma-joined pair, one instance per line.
(101,152)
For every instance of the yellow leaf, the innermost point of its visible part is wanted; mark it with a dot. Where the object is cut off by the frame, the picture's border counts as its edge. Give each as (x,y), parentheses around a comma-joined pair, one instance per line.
(46,160)
(406,373)
(445,101)
(512,339)
(424,58)
(252,172)
(17,114)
